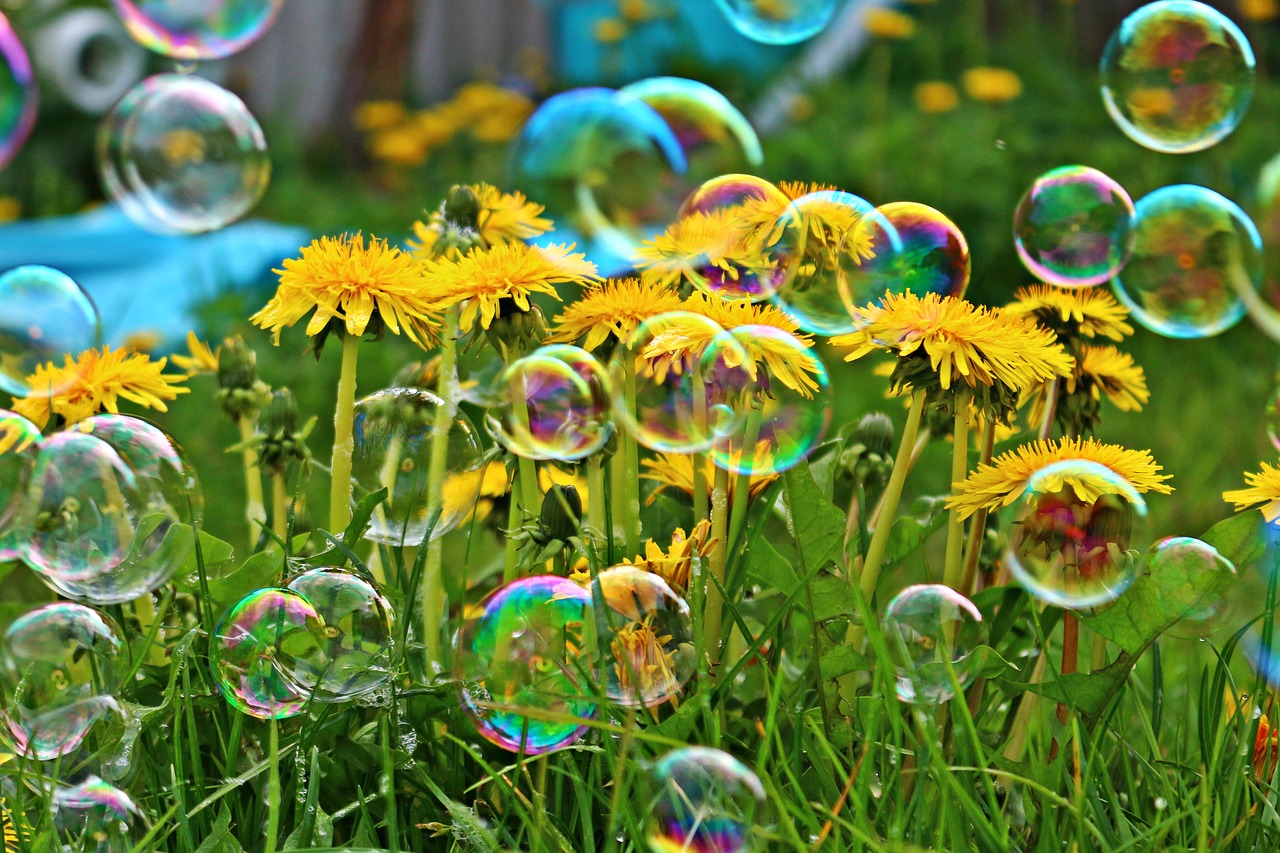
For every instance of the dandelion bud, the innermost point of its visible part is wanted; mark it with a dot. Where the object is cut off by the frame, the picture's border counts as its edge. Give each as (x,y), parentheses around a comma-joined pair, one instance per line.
(283,440)
(561,512)
(875,433)
(462,207)
(868,458)
(237,365)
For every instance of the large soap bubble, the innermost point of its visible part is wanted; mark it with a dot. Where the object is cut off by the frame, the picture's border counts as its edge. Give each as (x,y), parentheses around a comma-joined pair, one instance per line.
(17,93)
(189,30)
(44,316)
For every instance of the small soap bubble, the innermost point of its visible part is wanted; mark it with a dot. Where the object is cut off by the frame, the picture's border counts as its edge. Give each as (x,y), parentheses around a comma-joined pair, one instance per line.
(1194,251)
(555,404)
(182,155)
(779,21)
(1271,417)
(44,316)
(935,254)
(393,432)
(1187,556)
(1071,544)
(703,120)
(703,800)
(205,29)
(649,632)
(1073,228)
(932,632)
(17,93)
(96,815)
(60,666)
(524,665)
(1177,76)
(19,450)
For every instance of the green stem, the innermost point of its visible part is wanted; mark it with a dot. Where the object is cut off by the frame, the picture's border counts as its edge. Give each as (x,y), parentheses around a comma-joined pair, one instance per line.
(434,602)
(742,488)
(978,524)
(701,508)
(632,510)
(953,571)
(343,440)
(279,505)
(714,614)
(273,787)
(145,609)
(255,511)
(513,521)
(526,469)
(595,496)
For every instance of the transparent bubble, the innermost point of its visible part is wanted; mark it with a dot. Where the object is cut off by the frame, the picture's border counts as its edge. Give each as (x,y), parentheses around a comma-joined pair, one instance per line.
(523,664)
(702,800)
(840,254)
(672,360)
(932,632)
(733,211)
(59,665)
(1187,555)
(19,450)
(1271,417)
(649,632)
(1177,76)
(393,431)
(182,155)
(197,29)
(1071,543)
(556,404)
(1073,227)
(259,642)
(17,94)
(1193,252)
(95,815)
(934,257)
(359,626)
(44,315)
(781,413)
(779,21)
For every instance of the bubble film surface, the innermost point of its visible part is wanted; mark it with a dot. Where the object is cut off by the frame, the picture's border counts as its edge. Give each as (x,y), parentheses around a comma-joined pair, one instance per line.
(1192,556)
(393,431)
(1071,543)
(523,665)
(648,631)
(555,404)
(182,155)
(721,220)
(189,30)
(97,813)
(780,22)
(17,93)
(19,450)
(934,257)
(703,800)
(701,117)
(1271,417)
(1193,251)
(44,315)
(1073,228)
(1177,76)
(60,666)
(932,632)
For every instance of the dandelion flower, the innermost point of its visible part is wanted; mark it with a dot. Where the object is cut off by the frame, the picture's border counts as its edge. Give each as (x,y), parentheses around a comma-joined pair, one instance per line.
(675,563)
(790,366)
(675,471)
(94,381)
(615,307)
(888,24)
(12,833)
(1073,313)
(696,243)
(643,666)
(1266,746)
(494,217)
(992,85)
(936,96)
(1263,493)
(202,357)
(1111,373)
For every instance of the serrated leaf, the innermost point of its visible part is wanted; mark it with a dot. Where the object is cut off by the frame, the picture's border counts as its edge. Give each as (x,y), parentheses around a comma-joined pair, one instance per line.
(772,570)
(908,534)
(1090,693)
(815,523)
(832,598)
(216,555)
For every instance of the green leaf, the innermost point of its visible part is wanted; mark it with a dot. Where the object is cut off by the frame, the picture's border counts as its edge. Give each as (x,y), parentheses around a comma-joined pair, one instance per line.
(1242,539)
(682,725)
(261,570)
(909,533)
(219,839)
(772,570)
(841,660)
(360,518)
(315,826)
(661,515)
(832,598)
(1089,693)
(216,555)
(815,523)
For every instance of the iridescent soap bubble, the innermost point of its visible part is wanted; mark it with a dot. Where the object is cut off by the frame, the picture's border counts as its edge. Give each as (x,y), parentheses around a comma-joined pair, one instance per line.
(259,642)
(60,666)
(1071,543)
(17,93)
(1177,76)
(712,131)
(182,155)
(44,315)
(782,411)
(19,450)
(649,633)
(359,624)
(1186,555)
(556,404)
(524,665)
(1073,228)
(702,800)
(189,30)
(1194,251)
(932,632)
(1271,417)
(393,432)
(934,257)
(779,21)
(96,814)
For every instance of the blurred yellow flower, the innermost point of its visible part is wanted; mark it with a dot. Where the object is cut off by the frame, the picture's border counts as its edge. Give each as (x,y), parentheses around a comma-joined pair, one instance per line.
(610,30)
(202,358)
(10,208)
(936,96)
(1259,10)
(992,85)
(885,23)
(803,107)
(1263,492)
(399,146)
(142,340)
(379,115)
(95,381)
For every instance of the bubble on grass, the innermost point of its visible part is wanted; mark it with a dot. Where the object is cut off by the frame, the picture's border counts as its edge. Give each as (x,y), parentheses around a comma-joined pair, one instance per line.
(180,154)
(702,799)
(59,665)
(393,431)
(649,633)
(95,813)
(1072,540)
(1073,227)
(44,315)
(779,21)
(19,450)
(524,663)
(18,94)
(934,257)
(1194,251)
(932,632)
(556,404)
(189,30)
(1177,76)
(1188,556)
(745,208)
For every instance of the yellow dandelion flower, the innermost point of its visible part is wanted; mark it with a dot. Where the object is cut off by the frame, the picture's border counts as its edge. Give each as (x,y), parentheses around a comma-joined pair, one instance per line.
(793,368)
(759,216)
(936,96)
(888,24)
(10,208)
(94,381)
(494,484)
(643,666)
(696,243)
(343,280)
(500,218)
(675,471)
(201,359)
(553,475)
(615,307)
(401,145)
(1259,10)
(1263,493)
(379,115)
(1111,373)
(12,832)
(1003,481)
(992,85)
(142,340)
(1087,312)
(675,564)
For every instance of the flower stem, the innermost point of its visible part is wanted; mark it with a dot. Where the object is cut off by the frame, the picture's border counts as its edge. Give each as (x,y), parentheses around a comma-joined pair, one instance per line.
(343,440)
(279,505)
(255,511)
(953,571)
(631,518)
(273,787)
(595,494)
(700,493)
(1050,409)
(978,524)
(742,488)
(714,614)
(434,602)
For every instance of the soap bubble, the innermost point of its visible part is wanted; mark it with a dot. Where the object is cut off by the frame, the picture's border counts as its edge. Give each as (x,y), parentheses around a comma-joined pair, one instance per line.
(44,315)
(556,403)
(649,633)
(393,432)
(97,813)
(1177,76)
(1072,539)
(189,30)
(702,800)
(17,94)
(59,665)
(1191,555)
(358,651)
(780,22)
(1193,252)
(1073,227)
(259,642)
(19,450)
(182,155)
(524,667)
(714,134)
(932,632)
(1271,417)
(934,257)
